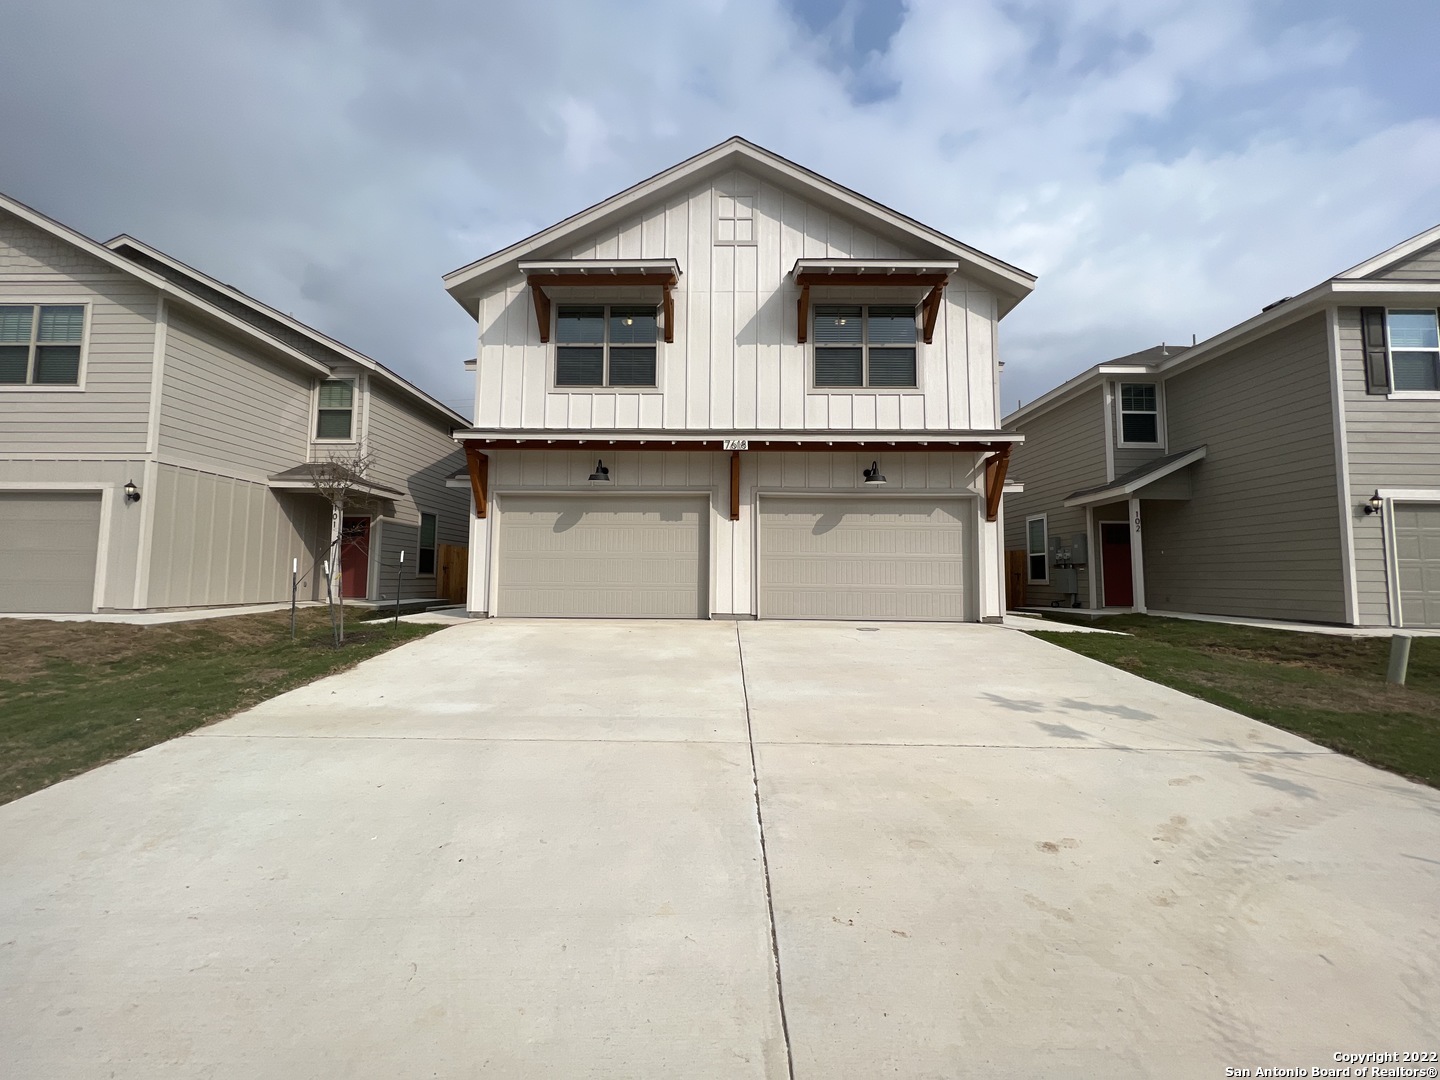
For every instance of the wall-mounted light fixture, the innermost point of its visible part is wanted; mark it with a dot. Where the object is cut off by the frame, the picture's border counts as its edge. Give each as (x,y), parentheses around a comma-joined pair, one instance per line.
(601,475)
(873,476)
(132,493)
(1375,505)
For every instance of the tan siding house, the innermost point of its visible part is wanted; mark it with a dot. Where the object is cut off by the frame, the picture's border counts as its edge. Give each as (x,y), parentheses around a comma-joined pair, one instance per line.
(152,428)
(737,390)
(1297,468)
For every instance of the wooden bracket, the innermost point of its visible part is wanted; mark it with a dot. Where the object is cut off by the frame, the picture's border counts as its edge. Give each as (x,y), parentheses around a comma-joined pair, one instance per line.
(802,321)
(932,311)
(669,305)
(995,467)
(479,466)
(542,309)
(734,485)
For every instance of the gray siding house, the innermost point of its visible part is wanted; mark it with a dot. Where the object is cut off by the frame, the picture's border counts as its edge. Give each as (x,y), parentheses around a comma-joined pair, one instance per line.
(1287,468)
(156,427)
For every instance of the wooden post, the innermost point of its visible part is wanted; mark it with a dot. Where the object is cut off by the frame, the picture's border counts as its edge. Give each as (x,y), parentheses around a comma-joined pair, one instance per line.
(542,311)
(734,485)
(669,305)
(803,315)
(995,468)
(932,313)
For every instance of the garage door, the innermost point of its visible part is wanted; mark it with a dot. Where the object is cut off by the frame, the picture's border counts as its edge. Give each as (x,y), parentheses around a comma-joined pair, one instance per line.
(48,543)
(1417,550)
(606,556)
(864,558)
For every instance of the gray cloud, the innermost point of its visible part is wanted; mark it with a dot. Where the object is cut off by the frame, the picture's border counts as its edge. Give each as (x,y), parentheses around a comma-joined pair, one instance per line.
(1165,169)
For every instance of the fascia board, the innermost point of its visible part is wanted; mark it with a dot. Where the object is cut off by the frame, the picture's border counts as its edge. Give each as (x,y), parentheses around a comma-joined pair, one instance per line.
(1388,287)
(1391,255)
(172,292)
(896,438)
(1276,318)
(1070,388)
(1015,281)
(235,294)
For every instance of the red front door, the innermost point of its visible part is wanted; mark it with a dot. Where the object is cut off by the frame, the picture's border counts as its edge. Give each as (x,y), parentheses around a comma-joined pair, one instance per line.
(1115,564)
(355,557)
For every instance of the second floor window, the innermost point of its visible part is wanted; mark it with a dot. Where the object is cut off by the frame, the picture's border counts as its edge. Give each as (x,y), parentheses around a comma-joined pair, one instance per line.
(1414,350)
(864,346)
(40,344)
(1139,413)
(604,345)
(334,418)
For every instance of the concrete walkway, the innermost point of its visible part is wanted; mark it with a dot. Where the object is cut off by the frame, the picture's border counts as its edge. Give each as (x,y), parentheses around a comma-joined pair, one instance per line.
(536,849)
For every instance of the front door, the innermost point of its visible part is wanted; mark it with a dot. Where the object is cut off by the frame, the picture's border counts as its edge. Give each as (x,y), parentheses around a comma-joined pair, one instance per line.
(1115,564)
(355,557)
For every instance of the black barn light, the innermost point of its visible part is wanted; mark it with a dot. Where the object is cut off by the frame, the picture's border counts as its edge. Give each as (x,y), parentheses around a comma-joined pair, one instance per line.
(873,476)
(601,475)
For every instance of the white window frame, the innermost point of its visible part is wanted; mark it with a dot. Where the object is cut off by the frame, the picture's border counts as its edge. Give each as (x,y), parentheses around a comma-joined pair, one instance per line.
(51,388)
(864,387)
(420,545)
(1413,395)
(354,437)
(736,211)
(1122,412)
(556,345)
(1044,552)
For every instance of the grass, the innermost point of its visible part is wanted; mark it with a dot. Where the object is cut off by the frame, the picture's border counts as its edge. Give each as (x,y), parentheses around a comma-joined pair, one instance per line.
(1329,689)
(74,695)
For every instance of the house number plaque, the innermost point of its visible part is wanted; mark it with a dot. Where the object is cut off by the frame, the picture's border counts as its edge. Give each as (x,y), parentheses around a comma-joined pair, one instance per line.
(737,444)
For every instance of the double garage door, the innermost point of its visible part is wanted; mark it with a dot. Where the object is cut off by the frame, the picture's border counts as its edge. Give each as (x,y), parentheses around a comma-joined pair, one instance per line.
(615,556)
(48,547)
(1417,550)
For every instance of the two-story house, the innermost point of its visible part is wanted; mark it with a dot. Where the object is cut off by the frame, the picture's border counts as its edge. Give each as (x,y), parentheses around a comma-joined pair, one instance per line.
(157,429)
(737,390)
(1287,468)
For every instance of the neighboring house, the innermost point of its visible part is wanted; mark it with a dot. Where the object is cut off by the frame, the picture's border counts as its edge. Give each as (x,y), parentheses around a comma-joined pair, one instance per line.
(734,390)
(1288,468)
(155,431)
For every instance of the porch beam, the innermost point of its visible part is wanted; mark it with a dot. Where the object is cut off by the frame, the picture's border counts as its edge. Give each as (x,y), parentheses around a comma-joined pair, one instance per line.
(773,446)
(995,468)
(478,465)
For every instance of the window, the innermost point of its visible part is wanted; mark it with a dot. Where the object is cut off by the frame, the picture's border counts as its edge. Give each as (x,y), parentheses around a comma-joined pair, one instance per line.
(1414,350)
(605,346)
(40,344)
(871,346)
(428,524)
(1139,413)
(1036,540)
(335,415)
(734,219)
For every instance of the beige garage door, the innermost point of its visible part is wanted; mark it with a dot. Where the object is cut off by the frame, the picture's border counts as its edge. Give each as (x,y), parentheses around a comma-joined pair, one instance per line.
(864,558)
(48,542)
(1417,550)
(602,555)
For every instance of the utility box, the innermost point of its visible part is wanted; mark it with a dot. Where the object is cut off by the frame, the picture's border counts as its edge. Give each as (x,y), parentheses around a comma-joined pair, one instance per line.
(1079,550)
(1065,579)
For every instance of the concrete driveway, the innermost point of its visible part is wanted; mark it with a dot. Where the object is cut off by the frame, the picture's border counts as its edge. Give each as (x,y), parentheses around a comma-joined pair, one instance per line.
(524,849)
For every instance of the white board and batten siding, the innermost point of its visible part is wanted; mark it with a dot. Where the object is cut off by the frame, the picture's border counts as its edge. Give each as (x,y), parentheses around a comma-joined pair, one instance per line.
(730,546)
(736,363)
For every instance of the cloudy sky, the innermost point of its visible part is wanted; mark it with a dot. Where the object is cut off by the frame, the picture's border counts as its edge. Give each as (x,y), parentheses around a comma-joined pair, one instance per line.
(1166,167)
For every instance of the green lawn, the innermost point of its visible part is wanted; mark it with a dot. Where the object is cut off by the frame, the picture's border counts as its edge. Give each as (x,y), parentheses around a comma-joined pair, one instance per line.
(1329,689)
(75,695)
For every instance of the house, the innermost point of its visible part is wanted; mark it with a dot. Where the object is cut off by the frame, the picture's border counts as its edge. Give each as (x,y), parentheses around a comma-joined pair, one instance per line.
(1287,468)
(158,429)
(737,390)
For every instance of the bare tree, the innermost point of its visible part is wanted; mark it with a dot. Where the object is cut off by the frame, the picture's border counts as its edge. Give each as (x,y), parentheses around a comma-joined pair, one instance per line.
(340,479)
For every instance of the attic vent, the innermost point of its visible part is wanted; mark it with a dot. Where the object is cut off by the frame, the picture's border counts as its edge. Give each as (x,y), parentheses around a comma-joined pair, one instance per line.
(734,219)
(1276,304)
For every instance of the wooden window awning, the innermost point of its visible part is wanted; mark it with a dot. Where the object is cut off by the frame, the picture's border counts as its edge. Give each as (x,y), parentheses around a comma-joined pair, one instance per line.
(601,280)
(897,279)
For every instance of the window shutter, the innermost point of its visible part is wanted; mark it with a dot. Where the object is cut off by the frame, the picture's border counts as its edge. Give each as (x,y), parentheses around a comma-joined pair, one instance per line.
(1372,337)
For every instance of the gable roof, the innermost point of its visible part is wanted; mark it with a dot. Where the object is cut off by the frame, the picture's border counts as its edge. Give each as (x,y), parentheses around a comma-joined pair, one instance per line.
(269,320)
(169,290)
(1128,483)
(1011,283)
(1352,286)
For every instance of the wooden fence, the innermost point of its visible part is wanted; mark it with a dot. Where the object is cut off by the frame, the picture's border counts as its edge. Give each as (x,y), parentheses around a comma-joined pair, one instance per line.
(452,567)
(1015,579)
